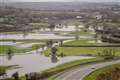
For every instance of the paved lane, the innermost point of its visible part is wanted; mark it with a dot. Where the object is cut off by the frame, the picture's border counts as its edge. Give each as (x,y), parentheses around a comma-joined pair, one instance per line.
(80,72)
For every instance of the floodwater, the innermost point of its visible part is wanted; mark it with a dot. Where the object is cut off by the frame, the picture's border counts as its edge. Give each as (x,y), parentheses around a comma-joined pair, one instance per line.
(63,28)
(33,36)
(34,62)
(68,28)
(18,44)
(7,43)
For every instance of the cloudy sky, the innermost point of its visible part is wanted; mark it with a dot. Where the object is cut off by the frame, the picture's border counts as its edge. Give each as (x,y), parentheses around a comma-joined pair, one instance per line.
(60,0)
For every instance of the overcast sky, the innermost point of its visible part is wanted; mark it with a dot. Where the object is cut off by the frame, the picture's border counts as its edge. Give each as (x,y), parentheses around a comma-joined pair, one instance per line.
(60,0)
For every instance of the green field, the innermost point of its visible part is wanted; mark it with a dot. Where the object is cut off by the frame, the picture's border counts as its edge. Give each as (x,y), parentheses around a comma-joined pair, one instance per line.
(85,42)
(71,21)
(75,51)
(82,42)
(84,47)
(93,75)
(40,25)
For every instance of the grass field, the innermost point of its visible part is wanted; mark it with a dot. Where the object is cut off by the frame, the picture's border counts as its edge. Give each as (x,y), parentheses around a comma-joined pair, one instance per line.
(5,68)
(89,42)
(82,42)
(93,75)
(40,25)
(75,51)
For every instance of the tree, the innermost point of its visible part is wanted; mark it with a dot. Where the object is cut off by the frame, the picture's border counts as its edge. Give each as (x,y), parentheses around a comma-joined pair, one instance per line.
(16,76)
(53,54)
(9,53)
(2,71)
(49,43)
(52,26)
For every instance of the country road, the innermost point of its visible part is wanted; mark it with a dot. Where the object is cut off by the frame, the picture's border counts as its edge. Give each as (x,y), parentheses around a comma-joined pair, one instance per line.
(80,72)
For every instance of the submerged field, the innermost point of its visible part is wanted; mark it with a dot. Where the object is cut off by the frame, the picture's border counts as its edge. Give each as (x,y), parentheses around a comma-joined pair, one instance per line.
(4,48)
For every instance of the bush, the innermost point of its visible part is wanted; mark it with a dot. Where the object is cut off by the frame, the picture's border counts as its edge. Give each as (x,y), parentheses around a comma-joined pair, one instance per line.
(2,71)
(108,57)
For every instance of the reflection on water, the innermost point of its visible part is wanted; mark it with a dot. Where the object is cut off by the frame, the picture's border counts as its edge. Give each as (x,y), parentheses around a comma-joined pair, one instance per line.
(9,57)
(53,54)
(54,59)
(9,54)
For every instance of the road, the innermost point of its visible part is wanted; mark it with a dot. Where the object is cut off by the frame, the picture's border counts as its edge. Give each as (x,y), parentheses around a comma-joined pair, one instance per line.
(80,72)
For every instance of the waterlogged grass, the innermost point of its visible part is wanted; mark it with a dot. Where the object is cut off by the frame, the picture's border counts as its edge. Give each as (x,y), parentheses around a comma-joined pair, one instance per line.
(93,75)
(75,51)
(4,48)
(3,69)
(9,67)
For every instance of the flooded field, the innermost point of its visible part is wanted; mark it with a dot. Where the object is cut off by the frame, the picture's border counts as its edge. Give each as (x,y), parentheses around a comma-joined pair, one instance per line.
(33,36)
(34,62)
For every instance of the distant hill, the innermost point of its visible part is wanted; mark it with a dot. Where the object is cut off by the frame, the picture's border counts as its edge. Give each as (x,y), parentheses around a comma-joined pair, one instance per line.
(59,5)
